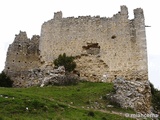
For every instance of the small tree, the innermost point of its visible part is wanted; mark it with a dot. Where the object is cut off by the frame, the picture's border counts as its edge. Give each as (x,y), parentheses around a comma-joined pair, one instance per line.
(5,81)
(66,61)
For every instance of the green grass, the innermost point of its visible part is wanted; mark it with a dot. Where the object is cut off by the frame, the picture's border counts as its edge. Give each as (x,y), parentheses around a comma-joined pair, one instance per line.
(84,101)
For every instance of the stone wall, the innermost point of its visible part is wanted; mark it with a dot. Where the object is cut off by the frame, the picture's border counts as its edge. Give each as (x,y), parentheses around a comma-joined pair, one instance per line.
(92,68)
(105,48)
(122,41)
(22,56)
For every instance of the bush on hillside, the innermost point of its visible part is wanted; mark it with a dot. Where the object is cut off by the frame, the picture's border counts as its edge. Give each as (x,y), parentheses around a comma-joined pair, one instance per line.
(5,81)
(155,97)
(66,61)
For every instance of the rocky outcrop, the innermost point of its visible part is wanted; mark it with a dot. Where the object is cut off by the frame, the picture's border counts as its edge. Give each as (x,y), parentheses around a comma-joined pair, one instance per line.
(132,94)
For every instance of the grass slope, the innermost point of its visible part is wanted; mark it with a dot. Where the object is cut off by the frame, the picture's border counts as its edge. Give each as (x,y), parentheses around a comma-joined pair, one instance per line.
(85,101)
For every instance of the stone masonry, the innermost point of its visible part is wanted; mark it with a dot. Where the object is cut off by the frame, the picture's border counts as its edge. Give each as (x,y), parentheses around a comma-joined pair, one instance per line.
(122,42)
(104,48)
(22,56)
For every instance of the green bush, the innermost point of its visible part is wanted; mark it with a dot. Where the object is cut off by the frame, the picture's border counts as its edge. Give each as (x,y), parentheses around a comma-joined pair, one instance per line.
(5,81)
(155,97)
(66,61)
(91,113)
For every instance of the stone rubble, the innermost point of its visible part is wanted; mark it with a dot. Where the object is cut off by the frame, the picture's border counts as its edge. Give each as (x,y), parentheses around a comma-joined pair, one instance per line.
(44,77)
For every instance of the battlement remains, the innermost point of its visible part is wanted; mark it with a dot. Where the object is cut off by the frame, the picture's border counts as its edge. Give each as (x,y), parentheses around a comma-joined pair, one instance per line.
(58,15)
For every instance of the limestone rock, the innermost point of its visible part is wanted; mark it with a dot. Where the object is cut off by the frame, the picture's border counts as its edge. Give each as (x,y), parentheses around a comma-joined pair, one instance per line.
(133,94)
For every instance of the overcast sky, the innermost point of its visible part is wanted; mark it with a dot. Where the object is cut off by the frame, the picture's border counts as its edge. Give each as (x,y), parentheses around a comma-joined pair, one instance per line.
(28,15)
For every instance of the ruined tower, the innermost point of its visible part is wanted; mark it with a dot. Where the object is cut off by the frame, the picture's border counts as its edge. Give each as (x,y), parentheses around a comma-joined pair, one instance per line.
(22,56)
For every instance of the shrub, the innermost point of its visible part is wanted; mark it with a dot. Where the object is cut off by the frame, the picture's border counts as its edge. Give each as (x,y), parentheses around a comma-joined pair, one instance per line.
(103,118)
(91,113)
(66,61)
(5,81)
(155,97)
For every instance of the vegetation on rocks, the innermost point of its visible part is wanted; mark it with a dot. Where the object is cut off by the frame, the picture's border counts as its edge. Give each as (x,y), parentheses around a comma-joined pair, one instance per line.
(155,98)
(66,61)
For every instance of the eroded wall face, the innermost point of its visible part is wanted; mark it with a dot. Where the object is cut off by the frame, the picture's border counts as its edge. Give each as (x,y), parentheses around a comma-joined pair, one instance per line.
(122,41)
(22,56)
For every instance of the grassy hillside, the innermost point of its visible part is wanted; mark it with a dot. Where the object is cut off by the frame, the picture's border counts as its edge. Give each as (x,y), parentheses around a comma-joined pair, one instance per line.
(85,101)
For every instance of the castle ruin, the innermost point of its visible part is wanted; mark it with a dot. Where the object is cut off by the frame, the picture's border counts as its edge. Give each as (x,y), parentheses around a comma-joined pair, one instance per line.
(104,48)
